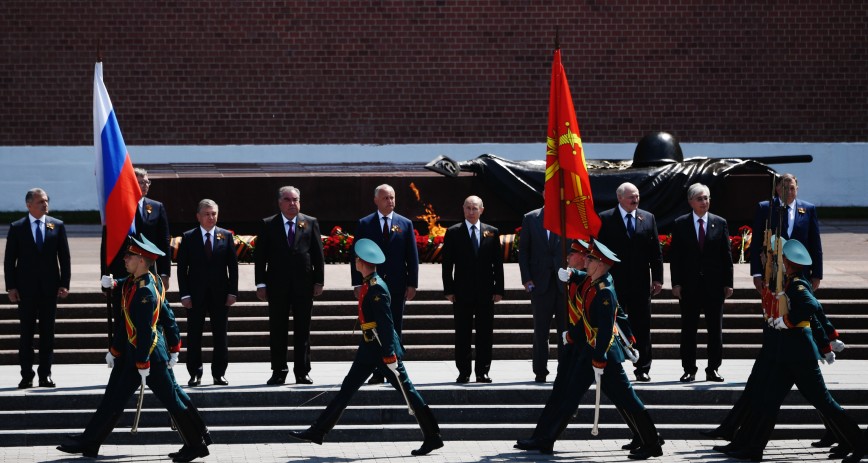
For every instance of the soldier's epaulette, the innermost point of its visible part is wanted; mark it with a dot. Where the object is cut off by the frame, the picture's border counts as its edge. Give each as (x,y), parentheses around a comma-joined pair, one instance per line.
(376,298)
(602,285)
(606,302)
(801,287)
(372,281)
(142,283)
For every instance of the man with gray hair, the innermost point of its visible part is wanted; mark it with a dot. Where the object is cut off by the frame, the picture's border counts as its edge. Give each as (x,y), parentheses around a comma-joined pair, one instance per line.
(394,234)
(289,274)
(37,269)
(208,283)
(631,233)
(701,266)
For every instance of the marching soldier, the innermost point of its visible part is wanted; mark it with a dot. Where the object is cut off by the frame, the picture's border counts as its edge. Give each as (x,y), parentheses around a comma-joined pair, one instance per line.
(142,357)
(794,362)
(593,353)
(380,351)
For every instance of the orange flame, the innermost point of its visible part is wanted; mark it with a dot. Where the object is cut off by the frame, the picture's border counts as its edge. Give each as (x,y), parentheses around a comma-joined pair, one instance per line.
(430,217)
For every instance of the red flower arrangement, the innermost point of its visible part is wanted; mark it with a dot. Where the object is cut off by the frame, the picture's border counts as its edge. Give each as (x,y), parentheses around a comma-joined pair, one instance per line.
(336,246)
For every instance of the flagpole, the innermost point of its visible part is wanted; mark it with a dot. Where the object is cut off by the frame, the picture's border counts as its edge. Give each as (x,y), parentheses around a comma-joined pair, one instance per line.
(565,314)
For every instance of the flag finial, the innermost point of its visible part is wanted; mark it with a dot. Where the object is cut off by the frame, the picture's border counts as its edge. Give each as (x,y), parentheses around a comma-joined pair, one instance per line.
(557,37)
(99,50)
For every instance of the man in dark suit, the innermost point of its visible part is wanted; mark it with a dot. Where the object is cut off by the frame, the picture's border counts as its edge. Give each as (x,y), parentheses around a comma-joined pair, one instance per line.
(289,274)
(473,282)
(632,234)
(394,234)
(152,222)
(207,282)
(539,258)
(798,221)
(701,266)
(37,268)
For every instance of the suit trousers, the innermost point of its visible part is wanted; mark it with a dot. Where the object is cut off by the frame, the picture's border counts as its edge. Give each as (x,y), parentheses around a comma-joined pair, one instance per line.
(280,305)
(546,306)
(37,313)
(479,313)
(638,309)
(219,315)
(693,302)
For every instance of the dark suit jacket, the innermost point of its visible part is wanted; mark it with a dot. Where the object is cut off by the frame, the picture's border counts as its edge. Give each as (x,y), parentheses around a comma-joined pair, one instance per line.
(154,224)
(401,269)
(637,255)
(475,275)
(538,257)
(196,273)
(711,267)
(277,265)
(806,229)
(30,271)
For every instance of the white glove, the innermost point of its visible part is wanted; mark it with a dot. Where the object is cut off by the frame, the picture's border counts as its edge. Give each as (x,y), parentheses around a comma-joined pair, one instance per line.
(144,372)
(564,337)
(771,322)
(780,324)
(564,274)
(837,346)
(598,372)
(632,354)
(107,282)
(109,359)
(828,358)
(173,359)
(393,366)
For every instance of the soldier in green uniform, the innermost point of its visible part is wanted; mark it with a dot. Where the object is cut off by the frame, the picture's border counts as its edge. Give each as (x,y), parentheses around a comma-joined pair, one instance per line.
(794,362)
(380,351)
(139,356)
(591,350)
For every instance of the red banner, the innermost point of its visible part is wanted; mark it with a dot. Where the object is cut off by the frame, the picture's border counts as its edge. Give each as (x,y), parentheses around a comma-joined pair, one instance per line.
(567,185)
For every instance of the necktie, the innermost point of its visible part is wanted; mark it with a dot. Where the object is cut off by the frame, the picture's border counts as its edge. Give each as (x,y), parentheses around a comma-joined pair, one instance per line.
(208,248)
(630,228)
(474,240)
(786,230)
(701,235)
(290,236)
(38,234)
(385,229)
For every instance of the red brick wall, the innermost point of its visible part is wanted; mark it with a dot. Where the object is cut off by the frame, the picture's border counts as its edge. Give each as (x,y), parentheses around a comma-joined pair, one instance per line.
(408,71)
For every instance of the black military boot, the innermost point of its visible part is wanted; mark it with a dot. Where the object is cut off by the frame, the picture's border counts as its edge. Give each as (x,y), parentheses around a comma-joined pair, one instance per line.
(756,441)
(430,431)
(635,441)
(89,442)
(326,421)
(194,446)
(828,438)
(734,419)
(652,443)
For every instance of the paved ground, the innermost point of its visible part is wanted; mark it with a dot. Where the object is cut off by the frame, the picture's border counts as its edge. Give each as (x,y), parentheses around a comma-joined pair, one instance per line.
(602,451)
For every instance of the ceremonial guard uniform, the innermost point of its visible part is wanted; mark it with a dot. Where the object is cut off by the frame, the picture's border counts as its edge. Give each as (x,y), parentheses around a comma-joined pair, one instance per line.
(592,348)
(794,362)
(380,350)
(139,355)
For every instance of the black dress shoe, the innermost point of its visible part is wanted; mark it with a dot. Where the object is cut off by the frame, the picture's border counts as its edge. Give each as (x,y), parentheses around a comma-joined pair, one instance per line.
(643,377)
(429,445)
(632,445)
(277,377)
(88,450)
(687,377)
(540,378)
(25,383)
(724,448)
(308,435)
(463,379)
(713,376)
(839,451)
(303,379)
(220,381)
(645,452)
(175,454)
(743,454)
(377,379)
(46,382)
(543,446)
(483,378)
(194,381)
(856,457)
(187,454)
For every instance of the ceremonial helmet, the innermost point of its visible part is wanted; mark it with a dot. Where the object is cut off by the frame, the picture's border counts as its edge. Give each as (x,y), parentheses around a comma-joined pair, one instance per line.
(656,149)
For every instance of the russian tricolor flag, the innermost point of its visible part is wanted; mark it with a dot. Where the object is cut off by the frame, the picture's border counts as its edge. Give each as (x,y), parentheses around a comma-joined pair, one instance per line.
(116,184)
